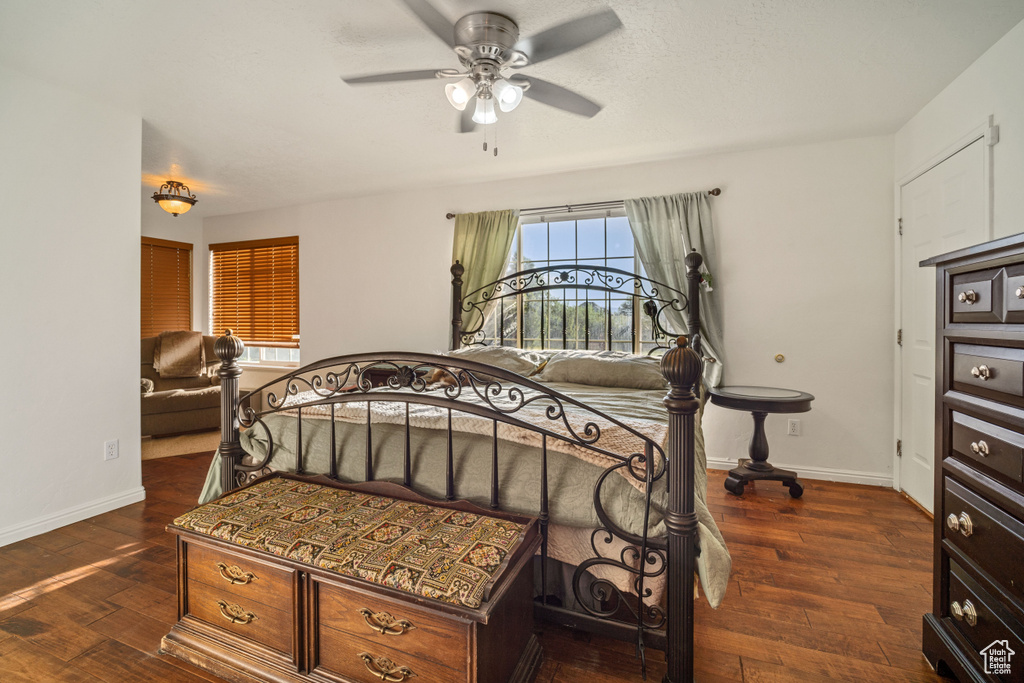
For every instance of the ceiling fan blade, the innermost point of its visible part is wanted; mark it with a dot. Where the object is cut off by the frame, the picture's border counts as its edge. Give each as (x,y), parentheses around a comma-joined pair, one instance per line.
(466,123)
(425,74)
(557,96)
(434,20)
(568,36)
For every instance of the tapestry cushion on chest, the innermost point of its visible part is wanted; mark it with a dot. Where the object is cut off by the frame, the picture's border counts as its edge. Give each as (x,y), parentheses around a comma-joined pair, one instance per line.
(430,551)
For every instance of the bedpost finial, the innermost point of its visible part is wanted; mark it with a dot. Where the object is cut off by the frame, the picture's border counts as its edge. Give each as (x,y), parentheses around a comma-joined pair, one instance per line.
(682,367)
(228,348)
(458,269)
(693,259)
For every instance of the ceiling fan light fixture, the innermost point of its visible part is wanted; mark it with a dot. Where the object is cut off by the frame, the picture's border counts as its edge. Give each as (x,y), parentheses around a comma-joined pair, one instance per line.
(509,96)
(459,94)
(484,113)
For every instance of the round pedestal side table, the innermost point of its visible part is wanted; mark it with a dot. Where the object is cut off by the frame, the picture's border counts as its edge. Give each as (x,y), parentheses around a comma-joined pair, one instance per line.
(760,401)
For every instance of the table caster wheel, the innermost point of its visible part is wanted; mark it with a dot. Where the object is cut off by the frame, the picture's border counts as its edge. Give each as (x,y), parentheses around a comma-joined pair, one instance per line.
(795,489)
(734,486)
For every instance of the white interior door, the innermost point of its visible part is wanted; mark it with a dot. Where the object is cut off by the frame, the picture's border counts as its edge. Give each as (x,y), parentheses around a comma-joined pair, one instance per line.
(942,210)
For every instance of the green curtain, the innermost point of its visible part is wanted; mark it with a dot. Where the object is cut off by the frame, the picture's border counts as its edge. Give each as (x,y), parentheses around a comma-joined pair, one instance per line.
(665,229)
(482,244)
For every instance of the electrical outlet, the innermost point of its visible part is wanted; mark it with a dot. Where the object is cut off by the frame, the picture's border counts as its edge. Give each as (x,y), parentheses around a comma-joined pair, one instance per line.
(794,428)
(110,450)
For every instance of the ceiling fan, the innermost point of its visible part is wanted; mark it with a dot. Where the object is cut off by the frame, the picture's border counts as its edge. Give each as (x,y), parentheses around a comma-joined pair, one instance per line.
(487,44)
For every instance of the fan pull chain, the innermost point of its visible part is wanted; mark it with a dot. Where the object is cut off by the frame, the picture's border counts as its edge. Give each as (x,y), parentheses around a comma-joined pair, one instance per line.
(495,139)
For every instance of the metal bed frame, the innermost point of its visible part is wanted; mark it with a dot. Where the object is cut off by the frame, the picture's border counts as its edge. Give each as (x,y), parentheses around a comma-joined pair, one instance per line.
(500,396)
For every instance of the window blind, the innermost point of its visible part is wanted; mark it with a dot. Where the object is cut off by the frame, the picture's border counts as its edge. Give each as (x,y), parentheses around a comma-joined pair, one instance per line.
(254,290)
(166,286)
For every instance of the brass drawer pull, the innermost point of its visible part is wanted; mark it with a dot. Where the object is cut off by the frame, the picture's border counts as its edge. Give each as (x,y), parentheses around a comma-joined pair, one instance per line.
(235,614)
(979,448)
(982,372)
(966,525)
(968,297)
(384,669)
(235,574)
(385,624)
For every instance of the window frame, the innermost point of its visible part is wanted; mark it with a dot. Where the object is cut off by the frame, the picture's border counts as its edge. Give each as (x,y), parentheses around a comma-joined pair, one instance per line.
(180,292)
(289,290)
(516,263)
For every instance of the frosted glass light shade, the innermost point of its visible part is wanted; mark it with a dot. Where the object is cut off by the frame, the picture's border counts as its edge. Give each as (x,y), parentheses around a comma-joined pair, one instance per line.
(509,96)
(484,113)
(174,207)
(459,94)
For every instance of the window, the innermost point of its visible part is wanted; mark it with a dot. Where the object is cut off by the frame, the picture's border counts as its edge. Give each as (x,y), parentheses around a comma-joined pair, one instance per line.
(570,318)
(254,291)
(166,286)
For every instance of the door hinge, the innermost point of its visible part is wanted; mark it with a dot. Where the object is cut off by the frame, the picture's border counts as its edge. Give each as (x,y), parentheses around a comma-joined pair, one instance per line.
(899,337)
(899,448)
(899,226)
(992,136)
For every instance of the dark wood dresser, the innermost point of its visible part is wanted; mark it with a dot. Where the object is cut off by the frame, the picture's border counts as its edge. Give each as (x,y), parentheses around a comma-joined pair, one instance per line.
(976,629)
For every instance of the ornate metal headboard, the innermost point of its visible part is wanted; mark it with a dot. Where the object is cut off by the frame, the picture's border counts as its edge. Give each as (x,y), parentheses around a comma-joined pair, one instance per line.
(651,296)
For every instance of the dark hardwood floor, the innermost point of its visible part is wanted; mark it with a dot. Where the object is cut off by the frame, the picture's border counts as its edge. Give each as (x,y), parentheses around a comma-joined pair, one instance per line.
(831,586)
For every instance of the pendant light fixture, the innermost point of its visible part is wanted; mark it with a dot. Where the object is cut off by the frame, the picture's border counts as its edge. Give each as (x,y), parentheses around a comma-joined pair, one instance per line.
(173,201)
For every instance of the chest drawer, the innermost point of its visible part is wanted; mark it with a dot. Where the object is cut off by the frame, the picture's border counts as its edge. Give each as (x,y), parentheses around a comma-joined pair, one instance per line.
(988,445)
(977,297)
(979,618)
(381,624)
(240,575)
(992,371)
(252,620)
(989,536)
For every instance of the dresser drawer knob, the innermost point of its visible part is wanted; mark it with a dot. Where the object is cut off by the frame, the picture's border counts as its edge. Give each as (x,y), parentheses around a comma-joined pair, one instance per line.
(235,613)
(965,613)
(384,669)
(385,624)
(952,522)
(235,574)
(968,297)
(979,448)
(981,372)
(966,525)
(1020,292)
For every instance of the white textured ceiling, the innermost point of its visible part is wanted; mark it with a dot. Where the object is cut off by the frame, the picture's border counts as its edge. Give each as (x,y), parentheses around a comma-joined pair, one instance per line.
(242,98)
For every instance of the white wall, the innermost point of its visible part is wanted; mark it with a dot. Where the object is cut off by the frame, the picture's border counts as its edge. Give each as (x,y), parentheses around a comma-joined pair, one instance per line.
(992,86)
(805,245)
(188,228)
(69,273)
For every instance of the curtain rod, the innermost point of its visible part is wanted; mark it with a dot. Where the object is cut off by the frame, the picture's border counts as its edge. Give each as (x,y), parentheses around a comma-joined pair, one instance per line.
(570,208)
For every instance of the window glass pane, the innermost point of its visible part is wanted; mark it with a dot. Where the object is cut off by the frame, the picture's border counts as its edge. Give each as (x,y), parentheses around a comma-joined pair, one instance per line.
(535,242)
(597,324)
(531,324)
(563,240)
(590,238)
(620,237)
(622,319)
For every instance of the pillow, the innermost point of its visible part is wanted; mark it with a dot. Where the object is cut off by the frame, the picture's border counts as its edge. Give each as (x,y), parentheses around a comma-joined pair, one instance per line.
(521,361)
(604,369)
(147,386)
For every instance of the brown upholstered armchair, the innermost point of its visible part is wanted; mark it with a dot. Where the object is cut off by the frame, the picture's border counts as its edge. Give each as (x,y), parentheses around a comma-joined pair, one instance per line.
(180,404)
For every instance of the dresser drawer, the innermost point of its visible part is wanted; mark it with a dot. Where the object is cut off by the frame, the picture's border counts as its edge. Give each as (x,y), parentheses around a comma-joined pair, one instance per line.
(252,620)
(381,623)
(994,447)
(978,616)
(977,297)
(367,661)
(991,537)
(240,575)
(1013,294)
(992,371)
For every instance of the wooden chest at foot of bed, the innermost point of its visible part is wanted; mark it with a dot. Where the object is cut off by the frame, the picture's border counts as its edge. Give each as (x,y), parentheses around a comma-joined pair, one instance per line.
(251,615)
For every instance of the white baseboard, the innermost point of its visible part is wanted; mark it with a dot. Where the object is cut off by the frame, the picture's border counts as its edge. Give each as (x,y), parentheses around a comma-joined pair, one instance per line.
(41,525)
(822,473)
